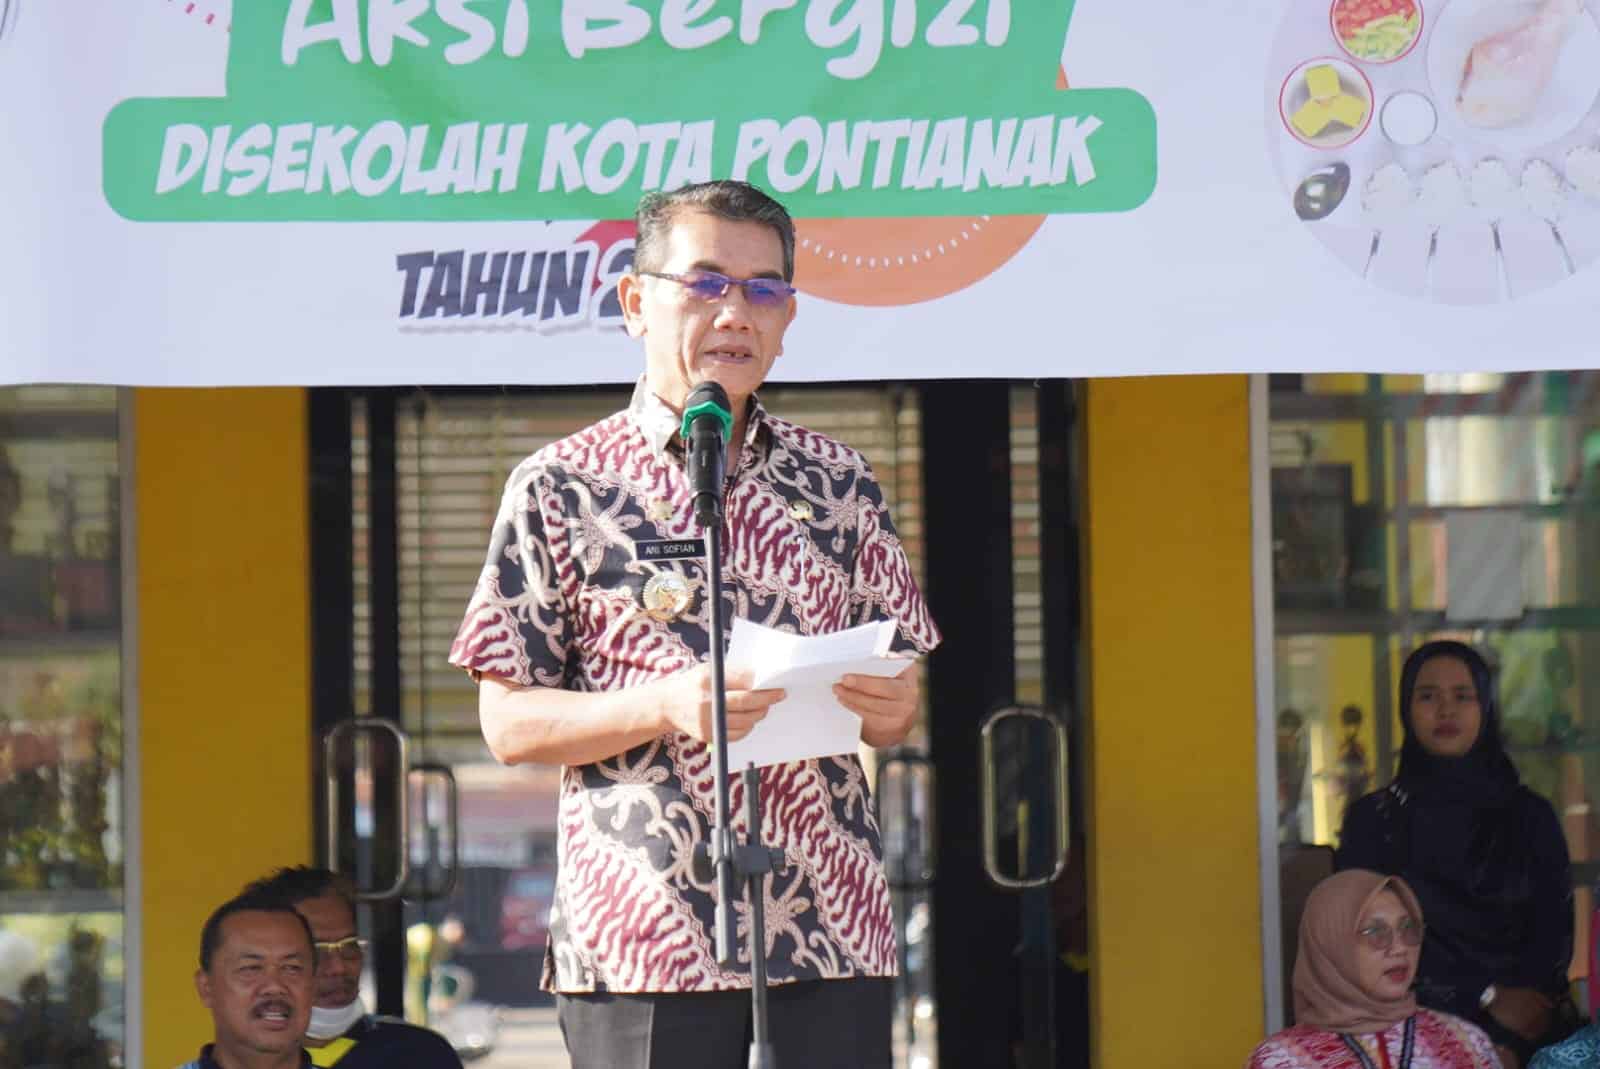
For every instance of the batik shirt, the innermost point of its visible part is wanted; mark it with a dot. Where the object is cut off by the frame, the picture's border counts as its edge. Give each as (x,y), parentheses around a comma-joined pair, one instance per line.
(562,602)
(1581,1051)
(1442,1042)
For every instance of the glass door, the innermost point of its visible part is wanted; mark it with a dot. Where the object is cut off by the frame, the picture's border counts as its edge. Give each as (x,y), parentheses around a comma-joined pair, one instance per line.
(1408,508)
(475,938)
(1008,900)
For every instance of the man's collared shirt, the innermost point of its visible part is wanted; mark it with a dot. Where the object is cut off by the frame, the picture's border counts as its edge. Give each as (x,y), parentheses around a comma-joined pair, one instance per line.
(589,586)
(207,1059)
(375,1042)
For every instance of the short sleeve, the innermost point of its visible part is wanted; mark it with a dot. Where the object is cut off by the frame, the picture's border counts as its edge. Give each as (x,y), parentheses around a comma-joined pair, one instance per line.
(1273,1053)
(881,584)
(1483,1053)
(516,625)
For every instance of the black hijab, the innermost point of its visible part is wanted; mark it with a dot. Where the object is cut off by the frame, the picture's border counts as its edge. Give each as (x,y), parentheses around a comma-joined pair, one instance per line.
(1477,847)
(1467,825)
(1483,777)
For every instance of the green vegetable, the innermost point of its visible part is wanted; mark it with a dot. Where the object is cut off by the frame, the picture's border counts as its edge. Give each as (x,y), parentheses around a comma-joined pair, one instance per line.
(1384,37)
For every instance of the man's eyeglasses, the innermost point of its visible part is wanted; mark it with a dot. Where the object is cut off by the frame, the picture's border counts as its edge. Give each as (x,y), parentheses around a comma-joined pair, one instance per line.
(1381,936)
(710,286)
(349,948)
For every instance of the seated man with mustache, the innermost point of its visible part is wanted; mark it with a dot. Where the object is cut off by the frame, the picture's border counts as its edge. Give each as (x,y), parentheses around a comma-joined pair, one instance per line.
(256,973)
(341,1031)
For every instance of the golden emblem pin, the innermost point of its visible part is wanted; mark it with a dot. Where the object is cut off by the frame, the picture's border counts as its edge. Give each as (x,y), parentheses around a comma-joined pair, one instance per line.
(661,510)
(800,510)
(667,596)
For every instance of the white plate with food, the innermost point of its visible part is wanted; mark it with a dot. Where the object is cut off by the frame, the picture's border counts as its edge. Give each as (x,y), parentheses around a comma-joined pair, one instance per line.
(1514,75)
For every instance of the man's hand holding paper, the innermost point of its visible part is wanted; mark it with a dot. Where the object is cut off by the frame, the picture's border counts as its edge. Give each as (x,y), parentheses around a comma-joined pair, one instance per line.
(841,688)
(887,705)
(685,702)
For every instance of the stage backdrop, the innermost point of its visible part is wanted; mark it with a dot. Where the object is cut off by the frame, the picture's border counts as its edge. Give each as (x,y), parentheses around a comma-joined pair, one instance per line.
(429,191)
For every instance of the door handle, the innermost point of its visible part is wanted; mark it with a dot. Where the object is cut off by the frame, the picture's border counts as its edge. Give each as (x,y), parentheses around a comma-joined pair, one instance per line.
(376,727)
(901,768)
(452,822)
(1055,731)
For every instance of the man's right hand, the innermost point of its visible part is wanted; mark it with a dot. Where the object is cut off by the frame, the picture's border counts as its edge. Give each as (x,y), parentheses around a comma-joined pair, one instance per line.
(685,703)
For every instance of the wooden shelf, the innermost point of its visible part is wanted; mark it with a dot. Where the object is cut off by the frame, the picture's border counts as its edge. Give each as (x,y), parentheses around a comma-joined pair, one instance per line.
(58,422)
(1371,622)
(1314,408)
(58,642)
(1556,749)
(56,902)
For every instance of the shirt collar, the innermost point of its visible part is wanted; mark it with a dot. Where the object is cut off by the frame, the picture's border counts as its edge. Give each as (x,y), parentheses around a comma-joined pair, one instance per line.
(208,1058)
(662,427)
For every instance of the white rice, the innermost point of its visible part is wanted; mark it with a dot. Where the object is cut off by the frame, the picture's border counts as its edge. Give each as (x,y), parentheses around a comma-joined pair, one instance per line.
(1583,169)
(1389,196)
(1494,190)
(1543,191)
(1442,196)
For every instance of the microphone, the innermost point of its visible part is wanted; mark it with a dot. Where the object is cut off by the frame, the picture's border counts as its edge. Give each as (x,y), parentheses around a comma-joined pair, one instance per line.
(707,423)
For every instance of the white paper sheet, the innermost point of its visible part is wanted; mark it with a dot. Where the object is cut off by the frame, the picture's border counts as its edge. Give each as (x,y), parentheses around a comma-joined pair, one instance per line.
(809,722)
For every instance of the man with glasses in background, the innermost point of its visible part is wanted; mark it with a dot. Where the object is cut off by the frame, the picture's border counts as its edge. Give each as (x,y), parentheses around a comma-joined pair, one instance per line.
(341,1032)
(588,637)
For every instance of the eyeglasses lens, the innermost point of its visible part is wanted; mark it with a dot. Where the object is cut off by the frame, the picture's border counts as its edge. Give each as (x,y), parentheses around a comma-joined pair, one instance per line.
(762,292)
(708,287)
(766,291)
(1381,936)
(344,950)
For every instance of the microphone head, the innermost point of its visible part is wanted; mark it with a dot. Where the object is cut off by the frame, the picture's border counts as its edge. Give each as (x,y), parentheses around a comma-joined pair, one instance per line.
(708,398)
(711,392)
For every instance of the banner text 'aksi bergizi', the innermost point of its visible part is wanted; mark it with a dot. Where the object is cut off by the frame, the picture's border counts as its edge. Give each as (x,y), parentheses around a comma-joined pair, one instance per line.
(507,109)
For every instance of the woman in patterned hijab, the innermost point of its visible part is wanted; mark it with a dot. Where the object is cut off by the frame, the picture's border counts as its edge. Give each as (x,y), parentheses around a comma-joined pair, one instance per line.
(1360,938)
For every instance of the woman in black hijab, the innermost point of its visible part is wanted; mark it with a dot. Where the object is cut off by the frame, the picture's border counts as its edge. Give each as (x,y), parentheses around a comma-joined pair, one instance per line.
(1485,855)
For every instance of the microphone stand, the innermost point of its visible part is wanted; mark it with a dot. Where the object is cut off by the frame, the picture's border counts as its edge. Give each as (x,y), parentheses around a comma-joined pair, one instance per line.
(750,861)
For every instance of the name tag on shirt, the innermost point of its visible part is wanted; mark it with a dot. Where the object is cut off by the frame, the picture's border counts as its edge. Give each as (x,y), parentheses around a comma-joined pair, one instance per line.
(670,549)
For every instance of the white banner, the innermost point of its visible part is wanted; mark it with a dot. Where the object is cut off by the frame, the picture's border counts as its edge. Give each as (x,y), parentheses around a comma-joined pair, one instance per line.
(413,191)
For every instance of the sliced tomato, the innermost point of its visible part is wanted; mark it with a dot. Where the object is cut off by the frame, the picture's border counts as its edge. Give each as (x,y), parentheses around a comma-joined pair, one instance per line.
(1351,15)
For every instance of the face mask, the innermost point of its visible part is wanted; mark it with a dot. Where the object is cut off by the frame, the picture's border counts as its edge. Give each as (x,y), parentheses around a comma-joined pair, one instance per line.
(330,1024)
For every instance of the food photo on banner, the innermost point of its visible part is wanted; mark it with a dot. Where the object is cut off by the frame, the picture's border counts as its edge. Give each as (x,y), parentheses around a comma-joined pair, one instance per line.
(1446,152)
(443,190)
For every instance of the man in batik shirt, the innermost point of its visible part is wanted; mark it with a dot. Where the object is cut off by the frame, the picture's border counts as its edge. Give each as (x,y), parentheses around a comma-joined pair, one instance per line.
(594,656)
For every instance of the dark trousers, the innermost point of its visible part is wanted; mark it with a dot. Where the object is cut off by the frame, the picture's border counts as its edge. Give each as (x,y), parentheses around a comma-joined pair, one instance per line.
(836,1024)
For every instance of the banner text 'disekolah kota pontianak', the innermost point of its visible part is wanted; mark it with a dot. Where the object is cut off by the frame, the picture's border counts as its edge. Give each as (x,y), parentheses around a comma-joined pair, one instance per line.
(516,109)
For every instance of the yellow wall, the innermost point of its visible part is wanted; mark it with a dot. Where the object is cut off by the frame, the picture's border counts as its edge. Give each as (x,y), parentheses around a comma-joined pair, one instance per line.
(224,672)
(1174,878)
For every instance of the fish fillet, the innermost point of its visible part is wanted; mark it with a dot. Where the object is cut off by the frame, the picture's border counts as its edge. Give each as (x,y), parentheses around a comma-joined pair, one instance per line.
(1507,72)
